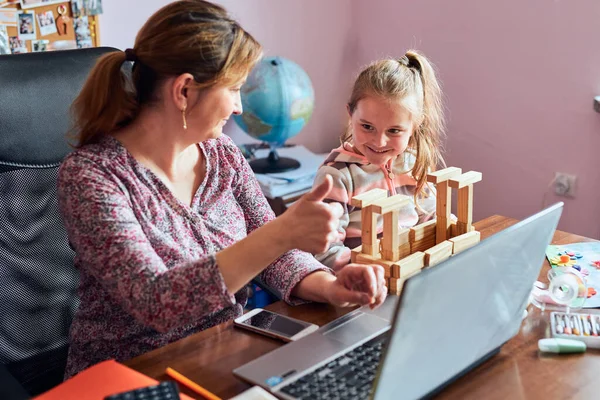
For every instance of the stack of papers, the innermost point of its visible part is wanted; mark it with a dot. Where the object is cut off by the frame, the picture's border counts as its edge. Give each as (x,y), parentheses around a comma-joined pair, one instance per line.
(282,183)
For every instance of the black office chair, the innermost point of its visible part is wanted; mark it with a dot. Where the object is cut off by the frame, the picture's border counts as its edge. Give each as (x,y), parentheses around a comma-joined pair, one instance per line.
(38,281)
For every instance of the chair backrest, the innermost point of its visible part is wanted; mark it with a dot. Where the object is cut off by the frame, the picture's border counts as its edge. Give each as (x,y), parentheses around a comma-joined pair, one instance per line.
(38,282)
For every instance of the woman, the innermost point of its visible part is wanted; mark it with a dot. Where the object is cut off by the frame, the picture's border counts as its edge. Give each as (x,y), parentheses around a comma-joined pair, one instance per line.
(167,220)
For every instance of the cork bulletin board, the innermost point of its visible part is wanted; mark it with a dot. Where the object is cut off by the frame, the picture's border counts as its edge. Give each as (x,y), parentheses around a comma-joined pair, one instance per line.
(46,25)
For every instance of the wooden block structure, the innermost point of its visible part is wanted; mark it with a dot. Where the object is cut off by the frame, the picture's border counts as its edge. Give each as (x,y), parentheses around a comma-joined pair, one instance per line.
(405,252)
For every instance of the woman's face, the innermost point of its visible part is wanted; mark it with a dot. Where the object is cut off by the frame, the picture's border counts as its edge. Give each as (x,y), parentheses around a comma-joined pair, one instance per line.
(381,128)
(212,110)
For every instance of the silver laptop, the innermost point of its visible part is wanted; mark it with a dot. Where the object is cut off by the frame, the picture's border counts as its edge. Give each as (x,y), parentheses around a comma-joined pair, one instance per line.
(447,320)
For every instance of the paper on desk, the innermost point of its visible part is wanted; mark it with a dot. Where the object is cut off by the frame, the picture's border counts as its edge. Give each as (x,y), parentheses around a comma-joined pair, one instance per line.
(309,163)
(254,393)
(283,183)
(588,260)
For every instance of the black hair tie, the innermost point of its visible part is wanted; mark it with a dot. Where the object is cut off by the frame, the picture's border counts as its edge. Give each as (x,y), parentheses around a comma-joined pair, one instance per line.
(130,55)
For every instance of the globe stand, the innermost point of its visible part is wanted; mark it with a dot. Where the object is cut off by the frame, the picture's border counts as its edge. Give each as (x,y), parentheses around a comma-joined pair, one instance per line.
(273,163)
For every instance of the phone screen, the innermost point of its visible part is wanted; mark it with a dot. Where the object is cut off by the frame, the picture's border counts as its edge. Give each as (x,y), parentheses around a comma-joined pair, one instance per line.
(276,323)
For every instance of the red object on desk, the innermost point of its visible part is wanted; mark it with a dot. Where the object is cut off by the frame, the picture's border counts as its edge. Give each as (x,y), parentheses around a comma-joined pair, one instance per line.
(99,381)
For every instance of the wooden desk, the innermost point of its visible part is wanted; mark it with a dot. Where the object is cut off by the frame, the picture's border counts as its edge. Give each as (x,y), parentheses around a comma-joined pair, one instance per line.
(518,372)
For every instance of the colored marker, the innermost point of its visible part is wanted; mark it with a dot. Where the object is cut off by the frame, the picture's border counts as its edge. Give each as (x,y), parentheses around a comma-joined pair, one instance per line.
(568,330)
(560,345)
(586,329)
(576,326)
(560,327)
(591,321)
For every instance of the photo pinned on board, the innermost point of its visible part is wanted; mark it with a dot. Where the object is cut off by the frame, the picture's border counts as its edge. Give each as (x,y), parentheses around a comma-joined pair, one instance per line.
(4,43)
(83,35)
(25,4)
(47,23)
(26,25)
(38,46)
(8,16)
(82,8)
(17,45)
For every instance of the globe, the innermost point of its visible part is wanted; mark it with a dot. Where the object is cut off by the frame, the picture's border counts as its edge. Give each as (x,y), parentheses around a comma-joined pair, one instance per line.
(277,100)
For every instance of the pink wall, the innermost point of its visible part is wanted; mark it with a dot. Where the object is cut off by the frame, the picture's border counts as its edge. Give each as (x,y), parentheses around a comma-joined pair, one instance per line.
(312,33)
(519,79)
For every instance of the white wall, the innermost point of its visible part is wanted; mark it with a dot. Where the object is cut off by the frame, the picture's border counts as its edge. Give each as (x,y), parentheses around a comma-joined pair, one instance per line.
(519,78)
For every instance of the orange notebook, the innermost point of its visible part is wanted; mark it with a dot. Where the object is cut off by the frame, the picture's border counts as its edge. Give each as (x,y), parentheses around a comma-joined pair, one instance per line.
(99,381)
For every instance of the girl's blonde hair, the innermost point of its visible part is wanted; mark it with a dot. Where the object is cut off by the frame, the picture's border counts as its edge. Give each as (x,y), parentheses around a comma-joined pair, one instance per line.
(187,36)
(409,78)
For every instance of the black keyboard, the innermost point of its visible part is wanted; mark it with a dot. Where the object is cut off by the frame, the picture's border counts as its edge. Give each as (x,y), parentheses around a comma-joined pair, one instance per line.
(349,376)
(166,390)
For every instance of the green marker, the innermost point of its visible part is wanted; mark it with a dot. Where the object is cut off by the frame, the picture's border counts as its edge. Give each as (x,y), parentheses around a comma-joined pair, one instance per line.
(561,346)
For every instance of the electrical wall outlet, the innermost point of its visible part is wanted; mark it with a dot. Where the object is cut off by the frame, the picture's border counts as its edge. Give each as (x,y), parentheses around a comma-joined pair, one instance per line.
(565,184)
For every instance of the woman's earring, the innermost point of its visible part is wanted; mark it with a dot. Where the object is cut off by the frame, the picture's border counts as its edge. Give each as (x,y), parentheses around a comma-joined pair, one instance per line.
(184,121)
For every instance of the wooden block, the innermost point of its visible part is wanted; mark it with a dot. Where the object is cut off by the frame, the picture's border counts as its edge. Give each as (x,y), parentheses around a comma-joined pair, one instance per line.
(395,284)
(443,205)
(430,241)
(443,175)
(392,203)
(466,179)
(369,230)
(465,241)
(367,198)
(390,241)
(465,206)
(438,253)
(457,227)
(421,231)
(354,253)
(371,249)
(403,250)
(442,230)
(367,259)
(403,236)
(409,265)
(421,245)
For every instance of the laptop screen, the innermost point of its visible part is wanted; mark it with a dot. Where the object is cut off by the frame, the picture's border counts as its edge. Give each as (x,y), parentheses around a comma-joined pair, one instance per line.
(451,316)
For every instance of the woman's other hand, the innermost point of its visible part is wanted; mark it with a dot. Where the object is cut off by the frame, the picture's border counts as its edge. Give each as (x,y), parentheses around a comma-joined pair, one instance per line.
(358,284)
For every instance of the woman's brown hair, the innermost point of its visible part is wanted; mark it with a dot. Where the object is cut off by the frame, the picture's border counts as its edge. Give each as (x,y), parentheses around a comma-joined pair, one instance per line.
(410,77)
(187,36)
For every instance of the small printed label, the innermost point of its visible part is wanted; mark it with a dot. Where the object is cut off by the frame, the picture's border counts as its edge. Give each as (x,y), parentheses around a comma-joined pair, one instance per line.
(274,380)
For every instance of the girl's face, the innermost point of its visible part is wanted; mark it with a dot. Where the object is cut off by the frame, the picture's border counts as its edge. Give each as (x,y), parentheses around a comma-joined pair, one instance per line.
(381,128)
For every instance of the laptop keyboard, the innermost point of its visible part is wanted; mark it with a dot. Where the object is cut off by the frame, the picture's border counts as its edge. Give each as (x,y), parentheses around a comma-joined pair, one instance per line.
(349,376)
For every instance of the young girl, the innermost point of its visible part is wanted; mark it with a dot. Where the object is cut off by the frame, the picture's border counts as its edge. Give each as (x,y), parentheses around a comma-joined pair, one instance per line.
(393,141)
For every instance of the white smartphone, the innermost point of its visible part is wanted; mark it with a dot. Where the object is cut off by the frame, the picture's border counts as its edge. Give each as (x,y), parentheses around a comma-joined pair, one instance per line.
(275,325)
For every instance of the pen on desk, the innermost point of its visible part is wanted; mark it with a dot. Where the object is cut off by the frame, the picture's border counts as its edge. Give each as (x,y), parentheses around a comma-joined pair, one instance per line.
(192,385)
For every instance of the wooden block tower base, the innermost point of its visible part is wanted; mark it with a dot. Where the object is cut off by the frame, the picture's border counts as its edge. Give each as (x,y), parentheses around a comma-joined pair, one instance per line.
(405,252)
